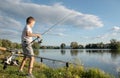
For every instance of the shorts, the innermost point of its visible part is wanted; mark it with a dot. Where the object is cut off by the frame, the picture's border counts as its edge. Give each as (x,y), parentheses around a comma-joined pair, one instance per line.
(27,49)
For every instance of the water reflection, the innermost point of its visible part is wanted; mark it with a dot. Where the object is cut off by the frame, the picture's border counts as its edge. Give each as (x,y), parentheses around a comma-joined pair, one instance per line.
(115,54)
(63,51)
(74,52)
(97,50)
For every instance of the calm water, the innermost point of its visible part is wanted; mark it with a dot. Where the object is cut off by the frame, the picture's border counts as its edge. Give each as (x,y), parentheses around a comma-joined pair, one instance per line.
(103,59)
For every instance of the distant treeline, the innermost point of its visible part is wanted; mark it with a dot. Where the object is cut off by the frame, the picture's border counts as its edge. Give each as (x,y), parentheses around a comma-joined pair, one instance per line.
(9,44)
(114,44)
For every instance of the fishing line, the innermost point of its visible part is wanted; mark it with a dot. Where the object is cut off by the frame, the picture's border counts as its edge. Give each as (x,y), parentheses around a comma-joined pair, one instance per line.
(60,21)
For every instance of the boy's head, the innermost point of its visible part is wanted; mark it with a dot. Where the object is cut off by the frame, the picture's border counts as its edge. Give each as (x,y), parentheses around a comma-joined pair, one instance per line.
(30,21)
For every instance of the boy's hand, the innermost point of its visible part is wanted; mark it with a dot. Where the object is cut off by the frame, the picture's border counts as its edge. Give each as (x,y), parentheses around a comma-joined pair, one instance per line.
(38,35)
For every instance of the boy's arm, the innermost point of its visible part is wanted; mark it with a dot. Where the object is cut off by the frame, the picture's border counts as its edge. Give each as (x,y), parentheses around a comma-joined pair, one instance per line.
(32,35)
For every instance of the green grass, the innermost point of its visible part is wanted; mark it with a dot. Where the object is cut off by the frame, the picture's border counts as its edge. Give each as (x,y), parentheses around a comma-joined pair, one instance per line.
(42,71)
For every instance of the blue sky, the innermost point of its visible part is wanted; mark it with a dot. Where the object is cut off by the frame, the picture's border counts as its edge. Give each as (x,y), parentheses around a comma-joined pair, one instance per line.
(88,21)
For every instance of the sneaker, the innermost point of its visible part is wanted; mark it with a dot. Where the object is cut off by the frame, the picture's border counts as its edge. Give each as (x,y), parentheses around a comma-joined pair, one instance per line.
(20,71)
(30,76)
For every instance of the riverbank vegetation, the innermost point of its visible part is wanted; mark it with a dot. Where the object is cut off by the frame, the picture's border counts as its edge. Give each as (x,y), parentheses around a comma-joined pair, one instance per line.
(113,45)
(42,71)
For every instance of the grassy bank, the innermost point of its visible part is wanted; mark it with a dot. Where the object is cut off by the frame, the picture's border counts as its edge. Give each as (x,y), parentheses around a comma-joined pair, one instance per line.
(42,71)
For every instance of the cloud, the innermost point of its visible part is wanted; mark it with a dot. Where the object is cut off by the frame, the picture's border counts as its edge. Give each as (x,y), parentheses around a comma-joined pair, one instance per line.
(112,32)
(14,13)
(9,23)
(58,34)
(49,14)
(86,21)
(10,28)
(104,36)
(9,34)
(116,28)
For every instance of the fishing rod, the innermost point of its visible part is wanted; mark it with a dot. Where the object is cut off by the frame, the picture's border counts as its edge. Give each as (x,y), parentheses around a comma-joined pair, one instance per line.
(58,22)
(11,60)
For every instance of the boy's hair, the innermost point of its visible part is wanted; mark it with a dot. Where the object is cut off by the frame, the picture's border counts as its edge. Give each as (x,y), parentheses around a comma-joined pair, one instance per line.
(29,19)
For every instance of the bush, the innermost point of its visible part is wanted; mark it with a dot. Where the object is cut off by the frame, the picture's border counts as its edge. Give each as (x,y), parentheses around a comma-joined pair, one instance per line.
(96,73)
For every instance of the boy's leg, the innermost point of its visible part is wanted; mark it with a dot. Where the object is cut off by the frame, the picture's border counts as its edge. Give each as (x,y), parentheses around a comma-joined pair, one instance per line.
(31,64)
(22,64)
(24,58)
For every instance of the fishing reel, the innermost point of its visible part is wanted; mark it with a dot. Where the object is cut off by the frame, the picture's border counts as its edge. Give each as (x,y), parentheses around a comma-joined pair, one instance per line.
(40,40)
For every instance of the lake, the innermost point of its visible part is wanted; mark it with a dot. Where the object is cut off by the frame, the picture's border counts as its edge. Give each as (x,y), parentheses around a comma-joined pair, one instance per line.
(103,59)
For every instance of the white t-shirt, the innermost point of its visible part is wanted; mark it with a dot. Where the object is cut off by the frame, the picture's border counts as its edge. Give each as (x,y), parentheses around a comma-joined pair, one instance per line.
(24,36)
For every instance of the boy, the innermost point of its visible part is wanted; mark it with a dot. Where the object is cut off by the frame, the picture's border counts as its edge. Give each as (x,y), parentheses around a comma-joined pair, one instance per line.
(26,46)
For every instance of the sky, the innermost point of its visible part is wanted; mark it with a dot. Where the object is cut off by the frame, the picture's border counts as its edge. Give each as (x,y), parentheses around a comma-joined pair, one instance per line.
(82,21)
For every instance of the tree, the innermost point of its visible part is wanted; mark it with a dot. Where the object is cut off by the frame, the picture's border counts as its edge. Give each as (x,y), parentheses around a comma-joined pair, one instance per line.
(74,45)
(63,45)
(6,43)
(18,46)
(81,46)
(114,44)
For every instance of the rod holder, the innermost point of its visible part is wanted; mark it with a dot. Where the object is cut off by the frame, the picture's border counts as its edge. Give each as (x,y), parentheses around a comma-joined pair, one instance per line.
(41,60)
(67,64)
